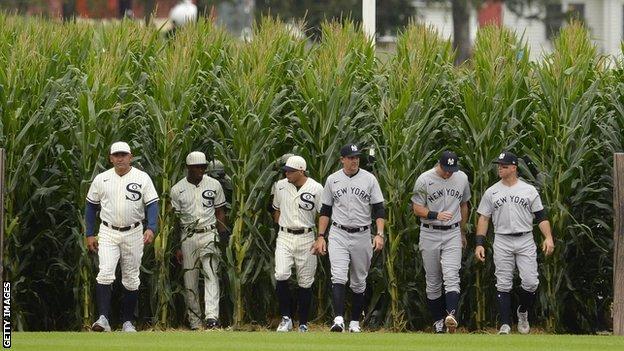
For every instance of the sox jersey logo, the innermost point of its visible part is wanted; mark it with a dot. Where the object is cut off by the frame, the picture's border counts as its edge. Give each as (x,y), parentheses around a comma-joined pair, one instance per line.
(196,204)
(298,208)
(122,198)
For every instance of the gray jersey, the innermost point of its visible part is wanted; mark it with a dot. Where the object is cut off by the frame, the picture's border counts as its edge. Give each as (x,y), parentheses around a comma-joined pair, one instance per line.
(351,197)
(511,207)
(439,194)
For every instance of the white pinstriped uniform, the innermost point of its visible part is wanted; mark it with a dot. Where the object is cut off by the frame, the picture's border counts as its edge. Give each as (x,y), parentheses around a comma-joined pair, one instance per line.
(298,210)
(122,200)
(196,206)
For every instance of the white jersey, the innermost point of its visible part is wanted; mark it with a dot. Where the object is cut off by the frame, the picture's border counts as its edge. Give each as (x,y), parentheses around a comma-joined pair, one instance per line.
(439,194)
(298,208)
(122,198)
(511,207)
(351,197)
(196,203)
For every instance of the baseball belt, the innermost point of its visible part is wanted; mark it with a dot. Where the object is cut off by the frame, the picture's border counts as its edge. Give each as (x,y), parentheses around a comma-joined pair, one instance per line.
(515,234)
(296,231)
(121,229)
(441,227)
(350,229)
(202,229)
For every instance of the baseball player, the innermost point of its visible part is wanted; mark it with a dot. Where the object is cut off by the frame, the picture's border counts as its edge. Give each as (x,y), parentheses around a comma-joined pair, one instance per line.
(513,205)
(123,195)
(200,203)
(440,200)
(297,202)
(352,198)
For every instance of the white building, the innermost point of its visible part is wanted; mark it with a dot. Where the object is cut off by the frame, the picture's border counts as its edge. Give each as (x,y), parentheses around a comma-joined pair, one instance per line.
(538,25)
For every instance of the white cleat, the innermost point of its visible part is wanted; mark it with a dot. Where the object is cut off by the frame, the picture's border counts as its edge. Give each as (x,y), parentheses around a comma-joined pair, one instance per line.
(128,327)
(504,329)
(451,323)
(438,326)
(523,322)
(285,325)
(354,327)
(303,328)
(101,325)
(338,326)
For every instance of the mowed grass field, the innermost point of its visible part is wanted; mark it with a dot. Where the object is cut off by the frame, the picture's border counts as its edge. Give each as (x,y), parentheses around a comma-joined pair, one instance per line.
(322,341)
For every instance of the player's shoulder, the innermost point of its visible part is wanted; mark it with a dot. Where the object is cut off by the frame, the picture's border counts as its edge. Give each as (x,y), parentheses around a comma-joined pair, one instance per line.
(104,175)
(461,175)
(366,175)
(140,174)
(179,185)
(426,175)
(334,177)
(494,187)
(211,182)
(280,184)
(313,184)
(526,185)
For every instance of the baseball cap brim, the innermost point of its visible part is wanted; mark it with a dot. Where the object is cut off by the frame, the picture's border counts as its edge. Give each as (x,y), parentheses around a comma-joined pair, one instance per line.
(501,162)
(290,169)
(451,169)
(352,153)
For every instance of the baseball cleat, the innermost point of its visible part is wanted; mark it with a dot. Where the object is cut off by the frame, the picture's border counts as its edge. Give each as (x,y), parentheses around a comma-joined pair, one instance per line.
(338,326)
(128,327)
(504,329)
(101,325)
(303,328)
(523,322)
(354,327)
(438,326)
(212,324)
(451,323)
(285,325)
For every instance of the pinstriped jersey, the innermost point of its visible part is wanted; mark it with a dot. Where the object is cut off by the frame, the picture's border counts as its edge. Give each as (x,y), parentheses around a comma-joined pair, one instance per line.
(298,208)
(122,198)
(351,197)
(511,207)
(196,203)
(439,194)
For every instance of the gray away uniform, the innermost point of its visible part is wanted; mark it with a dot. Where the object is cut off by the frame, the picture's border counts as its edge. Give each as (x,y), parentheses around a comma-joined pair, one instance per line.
(440,241)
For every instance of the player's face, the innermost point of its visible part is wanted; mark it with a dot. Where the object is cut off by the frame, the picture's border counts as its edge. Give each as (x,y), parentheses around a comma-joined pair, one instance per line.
(293,176)
(196,171)
(121,160)
(505,171)
(350,164)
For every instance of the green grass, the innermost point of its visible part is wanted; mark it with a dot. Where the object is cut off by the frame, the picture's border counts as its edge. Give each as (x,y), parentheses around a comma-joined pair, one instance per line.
(225,340)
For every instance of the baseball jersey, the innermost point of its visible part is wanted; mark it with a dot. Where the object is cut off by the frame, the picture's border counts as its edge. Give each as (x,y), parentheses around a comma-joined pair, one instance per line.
(351,197)
(122,198)
(511,207)
(196,203)
(439,194)
(298,208)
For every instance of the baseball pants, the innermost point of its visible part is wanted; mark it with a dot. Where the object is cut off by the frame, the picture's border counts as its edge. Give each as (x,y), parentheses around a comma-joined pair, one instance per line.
(441,252)
(199,254)
(511,251)
(125,248)
(350,257)
(291,249)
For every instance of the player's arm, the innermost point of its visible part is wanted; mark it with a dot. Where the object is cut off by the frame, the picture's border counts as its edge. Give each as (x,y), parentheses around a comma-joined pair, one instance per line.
(91,210)
(548,246)
(320,245)
(482,228)
(379,214)
(152,222)
(464,210)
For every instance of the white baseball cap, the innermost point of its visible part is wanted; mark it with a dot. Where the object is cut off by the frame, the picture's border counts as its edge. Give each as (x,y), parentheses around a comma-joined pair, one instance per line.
(196,158)
(120,146)
(295,163)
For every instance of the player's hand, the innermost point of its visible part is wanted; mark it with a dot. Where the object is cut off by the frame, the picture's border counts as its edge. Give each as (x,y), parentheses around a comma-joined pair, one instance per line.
(319,247)
(178,255)
(548,246)
(445,216)
(92,244)
(480,253)
(378,243)
(148,236)
(464,241)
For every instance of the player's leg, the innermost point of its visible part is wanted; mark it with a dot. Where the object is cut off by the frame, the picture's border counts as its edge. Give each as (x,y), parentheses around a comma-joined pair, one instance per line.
(305,265)
(131,253)
(429,244)
(108,257)
(361,252)
(451,255)
(337,248)
(526,260)
(284,260)
(504,263)
(210,268)
(191,265)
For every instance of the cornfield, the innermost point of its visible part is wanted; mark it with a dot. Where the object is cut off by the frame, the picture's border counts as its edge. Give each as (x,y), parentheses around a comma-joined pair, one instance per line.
(67,90)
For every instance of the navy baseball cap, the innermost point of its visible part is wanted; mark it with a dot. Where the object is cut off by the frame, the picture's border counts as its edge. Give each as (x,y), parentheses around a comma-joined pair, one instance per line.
(350,150)
(507,158)
(449,162)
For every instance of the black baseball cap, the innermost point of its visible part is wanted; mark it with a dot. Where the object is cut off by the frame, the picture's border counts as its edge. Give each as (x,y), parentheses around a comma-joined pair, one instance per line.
(449,162)
(349,150)
(507,158)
